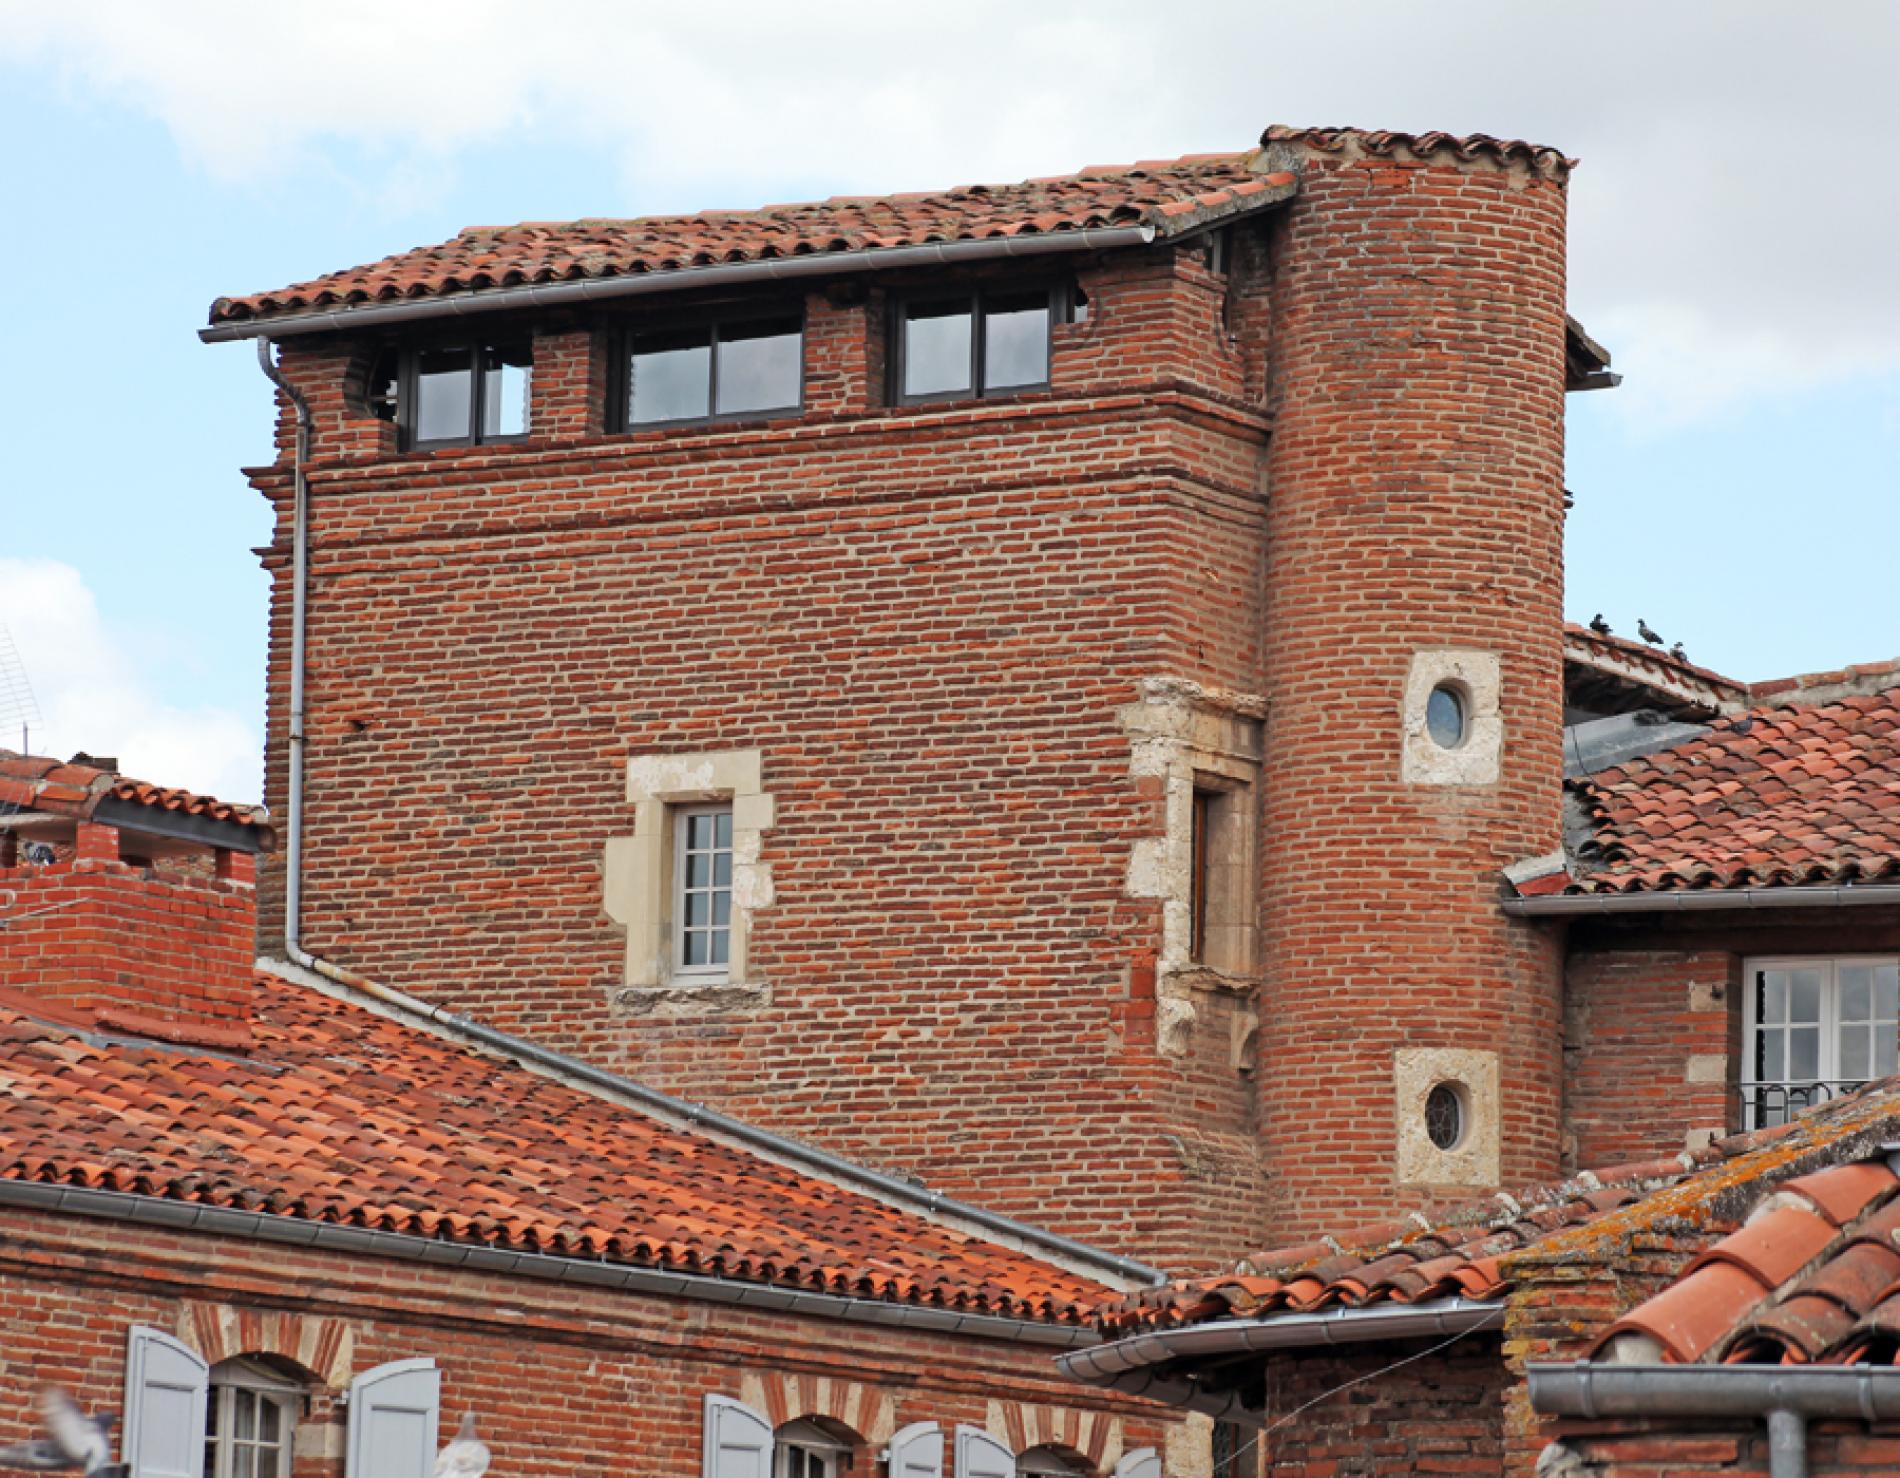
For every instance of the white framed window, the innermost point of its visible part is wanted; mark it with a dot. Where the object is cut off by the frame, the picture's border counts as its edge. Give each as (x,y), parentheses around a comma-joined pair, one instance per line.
(1815,1028)
(250,1421)
(803,1449)
(702,890)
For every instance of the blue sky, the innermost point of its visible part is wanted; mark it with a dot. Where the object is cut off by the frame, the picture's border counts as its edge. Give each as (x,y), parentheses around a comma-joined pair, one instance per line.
(1739,491)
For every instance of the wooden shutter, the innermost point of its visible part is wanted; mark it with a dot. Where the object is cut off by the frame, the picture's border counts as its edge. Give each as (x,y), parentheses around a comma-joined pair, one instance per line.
(395,1410)
(1143,1462)
(979,1455)
(166,1386)
(917,1452)
(738,1441)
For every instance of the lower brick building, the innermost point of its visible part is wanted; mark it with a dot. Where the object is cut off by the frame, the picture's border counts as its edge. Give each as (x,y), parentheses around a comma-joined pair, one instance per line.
(291,1228)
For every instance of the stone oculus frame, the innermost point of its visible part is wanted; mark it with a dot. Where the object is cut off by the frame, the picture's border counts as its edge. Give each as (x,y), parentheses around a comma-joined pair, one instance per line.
(1473,1077)
(1474,677)
(639,871)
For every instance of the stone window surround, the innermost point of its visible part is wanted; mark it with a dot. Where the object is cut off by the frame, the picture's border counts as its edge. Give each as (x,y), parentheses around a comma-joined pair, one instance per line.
(638,871)
(1473,1075)
(1191,737)
(1475,677)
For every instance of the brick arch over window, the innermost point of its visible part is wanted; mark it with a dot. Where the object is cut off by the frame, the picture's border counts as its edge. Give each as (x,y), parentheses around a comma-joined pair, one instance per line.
(867,1412)
(324,1347)
(1093,1437)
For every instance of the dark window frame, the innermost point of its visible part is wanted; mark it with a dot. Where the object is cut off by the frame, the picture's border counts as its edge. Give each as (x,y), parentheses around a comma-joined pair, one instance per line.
(619,418)
(1062,300)
(408,380)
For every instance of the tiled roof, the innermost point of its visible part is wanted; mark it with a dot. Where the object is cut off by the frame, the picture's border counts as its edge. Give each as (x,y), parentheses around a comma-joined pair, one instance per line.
(1812,1277)
(35,783)
(1171,195)
(340,1115)
(1620,657)
(1772,797)
(1388,143)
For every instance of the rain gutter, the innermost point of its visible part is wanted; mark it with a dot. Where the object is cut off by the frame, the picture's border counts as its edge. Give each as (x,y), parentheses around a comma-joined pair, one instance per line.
(1128,1365)
(606,289)
(1787,1396)
(1709,900)
(257,1226)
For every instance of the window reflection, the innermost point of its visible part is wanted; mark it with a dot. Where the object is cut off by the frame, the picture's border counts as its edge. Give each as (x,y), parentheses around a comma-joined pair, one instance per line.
(937,348)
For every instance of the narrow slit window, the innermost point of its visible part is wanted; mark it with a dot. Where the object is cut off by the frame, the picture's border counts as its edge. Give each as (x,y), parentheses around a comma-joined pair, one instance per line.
(703,890)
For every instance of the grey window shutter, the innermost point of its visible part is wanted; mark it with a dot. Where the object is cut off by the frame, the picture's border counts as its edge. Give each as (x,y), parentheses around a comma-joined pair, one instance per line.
(166,1386)
(738,1441)
(979,1455)
(917,1452)
(394,1414)
(1143,1462)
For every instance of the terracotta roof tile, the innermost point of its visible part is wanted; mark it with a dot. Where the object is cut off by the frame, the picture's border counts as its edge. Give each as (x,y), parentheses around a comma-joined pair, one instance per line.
(1773,797)
(35,783)
(340,1115)
(1172,195)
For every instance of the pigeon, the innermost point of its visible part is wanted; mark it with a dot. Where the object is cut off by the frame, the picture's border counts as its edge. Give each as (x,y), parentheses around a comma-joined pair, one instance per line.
(1642,630)
(1599,625)
(40,854)
(466,1456)
(73,1440)
(1677,652)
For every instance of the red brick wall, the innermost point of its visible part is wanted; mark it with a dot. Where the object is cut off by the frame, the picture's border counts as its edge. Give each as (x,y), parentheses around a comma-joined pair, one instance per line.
(1666,1449)
(1416,475)
(1368,1417)
(563,1379)
(1650,1038)
(168,945)
(927,619)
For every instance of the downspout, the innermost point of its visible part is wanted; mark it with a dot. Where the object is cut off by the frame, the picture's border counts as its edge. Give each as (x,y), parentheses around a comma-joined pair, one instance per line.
(299,595)
(1787,1396)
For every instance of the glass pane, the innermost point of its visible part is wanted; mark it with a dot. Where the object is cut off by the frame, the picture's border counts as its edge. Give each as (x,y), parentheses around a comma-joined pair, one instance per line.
(698,910)
(243,1462)
(936,348)
(268,1420)
(699,831)
(1854,1056)
(723,829)
(671,377)
(445,390)
(505,390)
(1855,993)
(1804,995)
(1804,1053)
(1016,340)
(721,942)
(1884,1045)
(759,365)
(1772,1069)
(696,950)
(246,1404)
(1886,992)
(1773,988)
(722,909)
(722,869)
(698,869)
(1445,717)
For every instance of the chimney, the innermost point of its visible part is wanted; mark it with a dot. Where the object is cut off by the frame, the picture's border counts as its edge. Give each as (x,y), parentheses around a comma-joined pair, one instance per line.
(126,907)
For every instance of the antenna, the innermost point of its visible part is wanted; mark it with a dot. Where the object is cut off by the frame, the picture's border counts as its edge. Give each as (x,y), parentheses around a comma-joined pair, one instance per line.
(18,710)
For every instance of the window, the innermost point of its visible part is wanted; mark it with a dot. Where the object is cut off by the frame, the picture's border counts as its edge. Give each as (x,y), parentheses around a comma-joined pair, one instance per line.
(1048,1462)
(803,1449)
(1220,875)
(454,394)
(1445,717)
(1200,842)
(250,1421)
(702,890)
(976,343)
(713,371)
(1816,1028)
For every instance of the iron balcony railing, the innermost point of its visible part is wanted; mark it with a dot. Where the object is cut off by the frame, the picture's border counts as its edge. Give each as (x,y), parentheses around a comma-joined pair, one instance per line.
(1765,1104)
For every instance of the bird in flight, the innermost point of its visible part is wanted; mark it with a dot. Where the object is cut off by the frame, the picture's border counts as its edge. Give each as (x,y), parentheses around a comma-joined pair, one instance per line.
(72,1440)
(465,1455)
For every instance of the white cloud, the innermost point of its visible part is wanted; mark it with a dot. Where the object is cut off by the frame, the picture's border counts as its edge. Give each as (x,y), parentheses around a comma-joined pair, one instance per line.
(1732,216)
(94,693)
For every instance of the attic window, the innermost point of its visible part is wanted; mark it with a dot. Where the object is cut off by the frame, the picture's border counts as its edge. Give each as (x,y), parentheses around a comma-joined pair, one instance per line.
(714,371)
(983,342)
(454,394)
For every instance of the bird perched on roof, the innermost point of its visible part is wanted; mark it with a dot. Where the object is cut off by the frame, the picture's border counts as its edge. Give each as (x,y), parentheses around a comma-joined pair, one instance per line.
(1642,630)
(1677,652)
(73,1440)
(466,1455)
(1599,625)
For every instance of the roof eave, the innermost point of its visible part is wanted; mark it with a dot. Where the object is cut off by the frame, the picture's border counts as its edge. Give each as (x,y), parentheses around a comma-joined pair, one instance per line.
(1704,900)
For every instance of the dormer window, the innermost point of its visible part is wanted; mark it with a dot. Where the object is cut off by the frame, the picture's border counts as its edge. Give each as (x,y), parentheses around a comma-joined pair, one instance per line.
(455,394)
(720,370)
(984,342)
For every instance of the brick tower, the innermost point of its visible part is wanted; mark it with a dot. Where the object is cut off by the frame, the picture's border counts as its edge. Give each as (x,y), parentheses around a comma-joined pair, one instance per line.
(1410,1032)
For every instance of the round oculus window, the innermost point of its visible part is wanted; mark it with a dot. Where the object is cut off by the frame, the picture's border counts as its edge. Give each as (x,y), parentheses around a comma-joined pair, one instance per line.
(1445,1116)
(1445,717)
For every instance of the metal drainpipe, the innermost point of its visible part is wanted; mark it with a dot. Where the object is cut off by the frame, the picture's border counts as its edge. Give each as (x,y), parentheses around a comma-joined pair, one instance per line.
(299,595)
(1787,1444)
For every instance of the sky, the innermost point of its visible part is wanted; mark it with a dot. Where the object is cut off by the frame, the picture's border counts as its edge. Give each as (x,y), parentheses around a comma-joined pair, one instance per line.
(1734,234)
